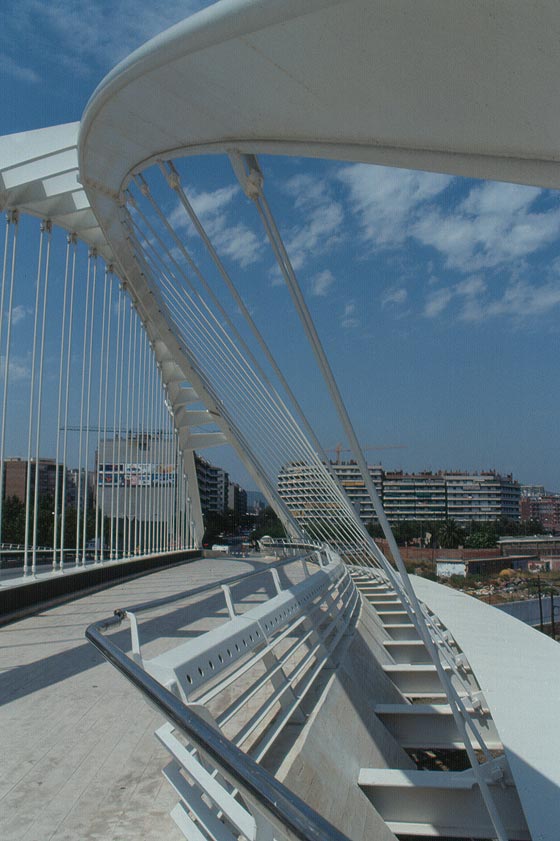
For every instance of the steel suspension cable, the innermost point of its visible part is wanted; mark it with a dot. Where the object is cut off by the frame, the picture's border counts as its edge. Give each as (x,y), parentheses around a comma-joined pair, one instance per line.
(140,257)
(173,179)
(196,318)
(12,219)
(31,413)
(144,191)
(99,411)
(324,366)
(253,469)
(2,299)
(111,281)
(115,393)
(93,256)
(82,400)
(132,417)
(59,402)
(66,404)
(120,374)
(48,227)
(140,392)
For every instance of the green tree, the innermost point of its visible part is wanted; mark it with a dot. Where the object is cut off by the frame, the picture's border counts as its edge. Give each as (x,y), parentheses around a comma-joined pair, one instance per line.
(268,523)
(483,537)
(13,520)
(450,535)
(374,529)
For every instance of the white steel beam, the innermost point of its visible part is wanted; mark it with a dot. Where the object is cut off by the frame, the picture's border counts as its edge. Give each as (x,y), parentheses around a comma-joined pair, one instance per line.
(432,726)
(407,651)
(436,803)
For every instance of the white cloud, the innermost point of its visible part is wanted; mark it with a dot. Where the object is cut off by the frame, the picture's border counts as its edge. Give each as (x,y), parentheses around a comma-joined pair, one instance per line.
(208,204)
(387,199)
(96,35)
(494,225)
(19,371)
(470,287)
(239,243)
(496,198)
(214,209)
(19,313)
(348,319)
(321,283)
(436,302)
(321,219)
(477,301)
(10,67)
(276,276)
(394,295)
(519,300)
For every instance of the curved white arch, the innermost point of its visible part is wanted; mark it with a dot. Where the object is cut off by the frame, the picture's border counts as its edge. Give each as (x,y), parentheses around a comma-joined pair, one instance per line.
(357,80)
(459,87)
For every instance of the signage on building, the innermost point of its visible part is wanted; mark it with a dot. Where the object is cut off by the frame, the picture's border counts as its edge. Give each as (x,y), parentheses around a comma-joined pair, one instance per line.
(136,475)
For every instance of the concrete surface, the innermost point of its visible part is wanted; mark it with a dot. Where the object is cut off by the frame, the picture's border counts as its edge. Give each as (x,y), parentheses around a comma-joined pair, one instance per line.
(79,757)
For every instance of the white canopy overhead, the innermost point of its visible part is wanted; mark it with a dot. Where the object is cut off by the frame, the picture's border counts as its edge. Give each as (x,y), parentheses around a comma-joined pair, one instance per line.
(39,175)
(455,86)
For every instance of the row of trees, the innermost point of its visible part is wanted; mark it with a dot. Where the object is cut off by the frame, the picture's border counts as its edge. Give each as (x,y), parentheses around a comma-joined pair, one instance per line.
(216,524)
(13,522)
(445,534)
(230,523)
(448,534)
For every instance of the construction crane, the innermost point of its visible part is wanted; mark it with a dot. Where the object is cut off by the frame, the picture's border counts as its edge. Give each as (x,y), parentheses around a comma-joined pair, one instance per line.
(340,449)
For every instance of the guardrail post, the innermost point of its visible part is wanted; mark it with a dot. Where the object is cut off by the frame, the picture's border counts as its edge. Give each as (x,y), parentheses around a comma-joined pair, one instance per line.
(135,639)
(229,601)
(276,579)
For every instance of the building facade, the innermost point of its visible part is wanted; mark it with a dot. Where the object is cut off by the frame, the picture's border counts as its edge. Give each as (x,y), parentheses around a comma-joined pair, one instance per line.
(256,502)
(213,486)
(349,476)
(134,475)
(538,504)
(15,478)
(482,496)
(414,496)
(463,497)
(237,499)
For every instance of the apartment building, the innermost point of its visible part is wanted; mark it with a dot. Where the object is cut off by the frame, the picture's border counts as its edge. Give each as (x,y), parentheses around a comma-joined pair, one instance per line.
(348,474)
(213,485)
(139,462)
(15,477)
(538,504)
(414,496)
(460,496)
(482,496)
(237,499)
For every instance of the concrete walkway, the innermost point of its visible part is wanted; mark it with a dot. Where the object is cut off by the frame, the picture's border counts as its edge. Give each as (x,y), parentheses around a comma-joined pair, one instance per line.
(78,756)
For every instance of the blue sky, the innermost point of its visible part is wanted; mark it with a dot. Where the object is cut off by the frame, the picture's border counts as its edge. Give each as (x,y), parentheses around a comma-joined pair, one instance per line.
(437,298)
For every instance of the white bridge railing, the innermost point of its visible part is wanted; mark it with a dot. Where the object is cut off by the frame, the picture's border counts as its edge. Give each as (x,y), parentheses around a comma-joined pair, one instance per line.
(229,694)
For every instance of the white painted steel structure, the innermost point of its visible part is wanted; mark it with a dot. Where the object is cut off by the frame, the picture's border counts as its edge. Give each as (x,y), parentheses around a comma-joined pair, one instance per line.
(448,87)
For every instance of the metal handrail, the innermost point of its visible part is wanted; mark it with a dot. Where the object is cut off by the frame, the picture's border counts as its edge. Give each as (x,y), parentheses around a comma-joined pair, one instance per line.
(120,613)
(279,805)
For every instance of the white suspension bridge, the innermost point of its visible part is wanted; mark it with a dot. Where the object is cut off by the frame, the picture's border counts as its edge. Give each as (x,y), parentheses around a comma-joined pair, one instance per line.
(144,349)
